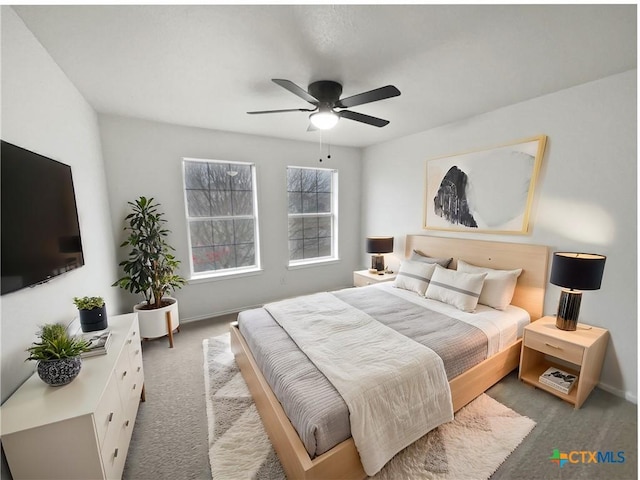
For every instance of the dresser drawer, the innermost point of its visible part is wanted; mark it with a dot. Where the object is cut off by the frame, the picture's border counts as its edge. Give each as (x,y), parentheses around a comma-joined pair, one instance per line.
(115,457)
(551,346)
(108,413)
(133,345)
(114,454)
(135,358)
(125,376)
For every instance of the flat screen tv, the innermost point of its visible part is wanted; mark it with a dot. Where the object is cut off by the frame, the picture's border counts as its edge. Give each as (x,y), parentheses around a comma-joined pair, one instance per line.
(40,231)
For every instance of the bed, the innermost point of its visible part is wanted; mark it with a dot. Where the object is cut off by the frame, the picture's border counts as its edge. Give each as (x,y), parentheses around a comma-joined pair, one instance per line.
(343,461)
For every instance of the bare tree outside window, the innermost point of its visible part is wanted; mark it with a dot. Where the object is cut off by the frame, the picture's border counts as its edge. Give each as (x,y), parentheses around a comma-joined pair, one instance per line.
(311,213)
(221,213)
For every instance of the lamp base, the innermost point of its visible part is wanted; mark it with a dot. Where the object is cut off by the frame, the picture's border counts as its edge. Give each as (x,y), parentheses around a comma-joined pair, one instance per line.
(568,310)
(377,263)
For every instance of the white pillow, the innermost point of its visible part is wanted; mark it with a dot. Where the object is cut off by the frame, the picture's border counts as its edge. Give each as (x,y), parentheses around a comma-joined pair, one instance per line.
(498,287)
(462,290)
(414,276)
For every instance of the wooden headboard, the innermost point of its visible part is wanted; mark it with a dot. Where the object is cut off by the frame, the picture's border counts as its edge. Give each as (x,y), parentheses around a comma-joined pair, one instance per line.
(533,259)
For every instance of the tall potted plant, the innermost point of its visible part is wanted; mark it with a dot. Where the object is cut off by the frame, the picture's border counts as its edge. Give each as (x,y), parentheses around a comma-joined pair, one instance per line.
(150,269)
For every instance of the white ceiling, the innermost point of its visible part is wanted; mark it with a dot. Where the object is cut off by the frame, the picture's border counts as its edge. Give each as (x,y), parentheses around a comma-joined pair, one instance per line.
(207,65)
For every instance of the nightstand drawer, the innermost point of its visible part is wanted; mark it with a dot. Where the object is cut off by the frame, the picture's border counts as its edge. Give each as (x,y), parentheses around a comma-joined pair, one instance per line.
(360,281)
(554,347)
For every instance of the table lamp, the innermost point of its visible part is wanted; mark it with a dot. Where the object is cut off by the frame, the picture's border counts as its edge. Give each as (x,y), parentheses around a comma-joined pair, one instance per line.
(574,272)
(378,246)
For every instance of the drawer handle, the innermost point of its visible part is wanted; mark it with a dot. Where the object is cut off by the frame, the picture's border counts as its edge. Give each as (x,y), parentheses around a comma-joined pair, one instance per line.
(115,454)
(138,369)
(110,416)
(129,341)
(134,386)
(124,374)
(552,346)
(137,351)
(126,424)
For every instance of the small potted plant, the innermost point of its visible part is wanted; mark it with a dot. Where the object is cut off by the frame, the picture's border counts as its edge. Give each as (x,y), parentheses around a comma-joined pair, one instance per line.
(93,313)
(57,354)
(151,269)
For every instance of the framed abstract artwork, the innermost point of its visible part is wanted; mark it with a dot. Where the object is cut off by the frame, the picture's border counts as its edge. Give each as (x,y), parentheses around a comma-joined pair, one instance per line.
(487,191)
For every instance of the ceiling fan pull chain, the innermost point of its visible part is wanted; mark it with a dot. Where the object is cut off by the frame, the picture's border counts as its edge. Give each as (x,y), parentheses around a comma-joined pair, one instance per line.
(320,146)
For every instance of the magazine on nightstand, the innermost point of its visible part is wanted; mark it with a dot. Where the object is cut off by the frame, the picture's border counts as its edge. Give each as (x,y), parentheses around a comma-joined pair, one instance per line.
(98,342)
(558,379)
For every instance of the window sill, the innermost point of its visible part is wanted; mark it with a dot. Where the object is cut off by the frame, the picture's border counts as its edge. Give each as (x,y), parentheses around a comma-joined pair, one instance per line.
(213,277)
(313,263)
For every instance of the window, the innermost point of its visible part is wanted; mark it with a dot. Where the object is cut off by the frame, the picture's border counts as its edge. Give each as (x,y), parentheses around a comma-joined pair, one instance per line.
(220,199)
(312,194)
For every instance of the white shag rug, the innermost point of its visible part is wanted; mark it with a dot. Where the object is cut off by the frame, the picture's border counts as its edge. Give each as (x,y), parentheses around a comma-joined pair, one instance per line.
(471,447)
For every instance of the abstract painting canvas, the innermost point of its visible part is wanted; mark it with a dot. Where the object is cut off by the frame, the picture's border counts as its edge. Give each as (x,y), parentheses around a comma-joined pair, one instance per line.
(484,191)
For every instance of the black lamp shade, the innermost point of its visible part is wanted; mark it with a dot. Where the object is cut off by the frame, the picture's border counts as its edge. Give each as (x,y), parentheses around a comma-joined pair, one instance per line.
(379,244)
(577,271)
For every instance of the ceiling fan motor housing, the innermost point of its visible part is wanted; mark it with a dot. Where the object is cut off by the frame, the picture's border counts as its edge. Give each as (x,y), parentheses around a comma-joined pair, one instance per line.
(325,91)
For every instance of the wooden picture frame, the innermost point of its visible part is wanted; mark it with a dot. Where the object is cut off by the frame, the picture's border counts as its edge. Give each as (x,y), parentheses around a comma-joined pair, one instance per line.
(489,191)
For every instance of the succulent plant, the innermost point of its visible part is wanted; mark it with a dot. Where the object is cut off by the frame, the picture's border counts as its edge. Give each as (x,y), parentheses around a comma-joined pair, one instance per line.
(55,343)
(88,303)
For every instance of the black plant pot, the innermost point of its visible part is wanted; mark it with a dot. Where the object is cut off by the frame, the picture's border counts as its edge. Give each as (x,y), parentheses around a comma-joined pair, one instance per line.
(59,372)
(94,319)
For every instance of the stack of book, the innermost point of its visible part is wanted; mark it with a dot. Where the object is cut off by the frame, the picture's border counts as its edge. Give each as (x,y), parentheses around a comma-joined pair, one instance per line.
(98,343)
(558,379)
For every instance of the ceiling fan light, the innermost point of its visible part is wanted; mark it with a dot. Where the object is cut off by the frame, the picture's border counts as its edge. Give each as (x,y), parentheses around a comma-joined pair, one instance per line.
(324,120)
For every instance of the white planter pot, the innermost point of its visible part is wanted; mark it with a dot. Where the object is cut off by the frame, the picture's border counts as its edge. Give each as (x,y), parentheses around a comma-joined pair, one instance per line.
(153,323)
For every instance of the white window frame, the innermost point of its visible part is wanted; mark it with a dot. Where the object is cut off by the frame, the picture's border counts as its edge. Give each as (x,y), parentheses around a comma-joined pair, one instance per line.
(235,271)
(334,257)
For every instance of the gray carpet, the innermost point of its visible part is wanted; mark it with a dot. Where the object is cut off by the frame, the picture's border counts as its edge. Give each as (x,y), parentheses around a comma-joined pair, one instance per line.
(170,436)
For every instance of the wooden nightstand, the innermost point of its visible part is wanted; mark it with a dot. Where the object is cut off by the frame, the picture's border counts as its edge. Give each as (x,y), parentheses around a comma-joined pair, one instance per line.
(362,278)
(543,344)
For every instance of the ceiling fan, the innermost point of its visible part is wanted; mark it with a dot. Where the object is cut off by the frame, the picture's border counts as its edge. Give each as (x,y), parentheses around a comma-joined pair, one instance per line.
(324,95)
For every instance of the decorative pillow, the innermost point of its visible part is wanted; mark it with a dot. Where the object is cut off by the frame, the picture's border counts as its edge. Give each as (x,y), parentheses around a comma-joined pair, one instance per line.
(460,289)
(498,287)
(417,256)
(414,276)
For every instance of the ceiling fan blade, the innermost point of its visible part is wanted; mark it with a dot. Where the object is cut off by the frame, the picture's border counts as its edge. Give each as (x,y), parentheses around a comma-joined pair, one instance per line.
(361,117)
(281,111)
(296,90)
(368,97)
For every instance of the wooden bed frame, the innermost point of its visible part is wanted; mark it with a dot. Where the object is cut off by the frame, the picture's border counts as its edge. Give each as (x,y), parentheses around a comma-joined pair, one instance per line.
(343,461)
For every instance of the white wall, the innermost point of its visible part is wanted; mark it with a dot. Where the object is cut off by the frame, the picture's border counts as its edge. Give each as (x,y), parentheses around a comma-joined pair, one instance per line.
(43,112)
(585,196)
(145,158)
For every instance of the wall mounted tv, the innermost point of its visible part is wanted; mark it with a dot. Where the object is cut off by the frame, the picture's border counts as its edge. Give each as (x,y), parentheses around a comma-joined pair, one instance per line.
(40,231)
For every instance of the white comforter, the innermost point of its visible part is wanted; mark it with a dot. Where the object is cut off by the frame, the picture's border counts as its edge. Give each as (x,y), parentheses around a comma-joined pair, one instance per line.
(396,389)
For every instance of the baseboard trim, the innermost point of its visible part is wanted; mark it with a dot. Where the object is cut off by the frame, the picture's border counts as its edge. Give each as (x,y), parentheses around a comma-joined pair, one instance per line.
(217,314)
(619,393)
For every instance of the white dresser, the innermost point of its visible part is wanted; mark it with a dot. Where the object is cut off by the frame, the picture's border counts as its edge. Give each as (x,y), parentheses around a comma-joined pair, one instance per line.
(81,430)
